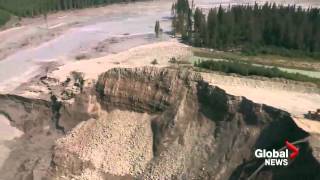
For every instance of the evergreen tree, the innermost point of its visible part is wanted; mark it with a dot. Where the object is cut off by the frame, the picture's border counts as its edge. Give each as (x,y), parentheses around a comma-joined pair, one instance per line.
(182,19)
(157,28)
(212,28)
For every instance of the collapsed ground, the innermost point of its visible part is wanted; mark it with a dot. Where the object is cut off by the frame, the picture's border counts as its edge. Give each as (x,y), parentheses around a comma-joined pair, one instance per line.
(150,123)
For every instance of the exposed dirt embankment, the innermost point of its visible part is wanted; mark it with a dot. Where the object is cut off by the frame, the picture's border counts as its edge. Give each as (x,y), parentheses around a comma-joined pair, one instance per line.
(23,113)
(41,123)
(151,123)
(30,153)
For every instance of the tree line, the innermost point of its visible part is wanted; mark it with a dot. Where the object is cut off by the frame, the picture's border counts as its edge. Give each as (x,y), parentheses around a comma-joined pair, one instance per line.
(30,8)
(249,27)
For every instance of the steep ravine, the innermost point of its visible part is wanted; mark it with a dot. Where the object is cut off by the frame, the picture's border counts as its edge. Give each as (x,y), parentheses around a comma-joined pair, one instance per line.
(152,123)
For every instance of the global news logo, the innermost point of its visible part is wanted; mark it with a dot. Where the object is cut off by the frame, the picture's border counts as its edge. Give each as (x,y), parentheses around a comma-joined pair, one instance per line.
(278,158)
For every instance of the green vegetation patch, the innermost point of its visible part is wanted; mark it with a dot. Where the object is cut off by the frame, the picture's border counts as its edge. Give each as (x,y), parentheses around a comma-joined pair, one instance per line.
(298,63)
(4,17)
(247,69)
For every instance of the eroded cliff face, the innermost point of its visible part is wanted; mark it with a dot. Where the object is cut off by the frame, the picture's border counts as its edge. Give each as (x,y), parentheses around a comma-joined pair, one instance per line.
(24,113)
(150,123)
(41,124)
(30,153)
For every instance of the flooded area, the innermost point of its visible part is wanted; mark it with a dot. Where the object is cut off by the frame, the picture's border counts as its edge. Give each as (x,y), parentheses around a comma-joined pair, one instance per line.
(22,65)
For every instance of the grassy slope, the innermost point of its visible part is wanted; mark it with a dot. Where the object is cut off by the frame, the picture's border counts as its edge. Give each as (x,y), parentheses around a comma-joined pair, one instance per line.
(247,69)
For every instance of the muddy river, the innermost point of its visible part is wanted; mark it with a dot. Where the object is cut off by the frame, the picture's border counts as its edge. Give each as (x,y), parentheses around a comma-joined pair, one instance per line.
(88,29)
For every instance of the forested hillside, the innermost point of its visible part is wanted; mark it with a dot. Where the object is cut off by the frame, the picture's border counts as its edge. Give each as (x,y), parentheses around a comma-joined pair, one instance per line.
(268,28)
(27,8)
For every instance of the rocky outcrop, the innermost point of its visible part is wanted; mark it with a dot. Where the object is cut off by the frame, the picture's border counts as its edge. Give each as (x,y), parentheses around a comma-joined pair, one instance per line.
(143,90)
(151,123)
